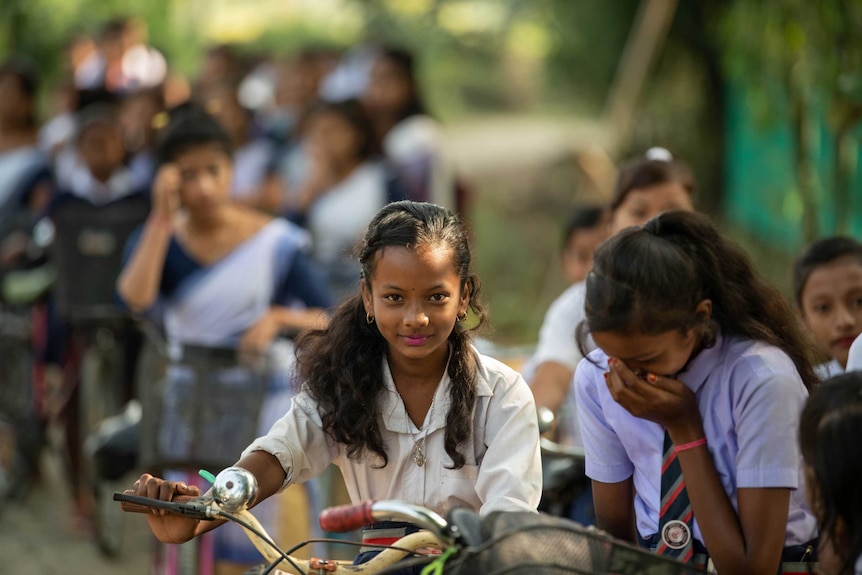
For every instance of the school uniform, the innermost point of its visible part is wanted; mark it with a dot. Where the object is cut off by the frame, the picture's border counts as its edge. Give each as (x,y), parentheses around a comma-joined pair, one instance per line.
(828,370)
(854,357)
(502,470)
(557,343)
(749,395)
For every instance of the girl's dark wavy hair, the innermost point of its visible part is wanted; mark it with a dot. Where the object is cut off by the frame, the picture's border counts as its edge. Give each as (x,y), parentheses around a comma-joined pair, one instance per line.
(829,430)
(341,366)
(650,279)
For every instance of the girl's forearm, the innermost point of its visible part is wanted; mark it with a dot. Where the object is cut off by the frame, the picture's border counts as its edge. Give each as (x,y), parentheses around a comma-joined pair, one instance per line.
(138,284)
(300,319)
(724,534)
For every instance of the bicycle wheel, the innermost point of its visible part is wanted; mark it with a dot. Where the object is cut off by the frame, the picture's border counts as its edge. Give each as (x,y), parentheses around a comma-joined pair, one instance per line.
(101,397)
(20,431)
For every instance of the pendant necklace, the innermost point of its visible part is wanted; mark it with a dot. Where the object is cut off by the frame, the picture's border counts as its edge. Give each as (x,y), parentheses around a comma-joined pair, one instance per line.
(419,445)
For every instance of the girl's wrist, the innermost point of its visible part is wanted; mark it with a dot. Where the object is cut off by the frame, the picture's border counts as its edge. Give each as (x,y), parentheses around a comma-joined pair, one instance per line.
(687,433)
(678,448)
(160,221)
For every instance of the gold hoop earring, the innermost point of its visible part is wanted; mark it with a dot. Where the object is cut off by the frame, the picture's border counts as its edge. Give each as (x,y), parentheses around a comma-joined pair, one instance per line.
(369,318)
(462,317)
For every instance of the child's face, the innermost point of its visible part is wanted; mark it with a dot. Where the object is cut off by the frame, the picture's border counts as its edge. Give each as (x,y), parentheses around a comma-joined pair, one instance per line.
(14,104)
(578,255)
(415,297)
(664,354)
(642,204)
(101,148)
(205,174)
(831,303)
(333,137)
(389,88)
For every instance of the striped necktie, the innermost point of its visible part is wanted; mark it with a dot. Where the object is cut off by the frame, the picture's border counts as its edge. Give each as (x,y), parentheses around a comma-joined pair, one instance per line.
(675,516)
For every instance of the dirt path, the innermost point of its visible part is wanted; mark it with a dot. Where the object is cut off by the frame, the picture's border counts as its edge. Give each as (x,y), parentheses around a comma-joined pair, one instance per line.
(37,535)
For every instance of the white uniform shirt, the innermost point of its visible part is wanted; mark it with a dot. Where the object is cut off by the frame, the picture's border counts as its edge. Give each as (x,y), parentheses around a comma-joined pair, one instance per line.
(749,395)
(557,336)
(829,369)
(854,356)
(557,343)
(502,469)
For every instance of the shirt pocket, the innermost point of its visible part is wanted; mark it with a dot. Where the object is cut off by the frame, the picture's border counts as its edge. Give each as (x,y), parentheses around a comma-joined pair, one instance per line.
(467,472)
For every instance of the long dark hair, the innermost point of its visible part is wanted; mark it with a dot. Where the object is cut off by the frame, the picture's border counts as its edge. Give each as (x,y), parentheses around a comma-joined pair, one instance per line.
(341,366)
(829,430)
(649,280)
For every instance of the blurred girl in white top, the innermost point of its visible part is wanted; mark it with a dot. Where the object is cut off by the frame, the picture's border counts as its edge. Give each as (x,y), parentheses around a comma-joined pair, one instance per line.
(410,138)
(394,394)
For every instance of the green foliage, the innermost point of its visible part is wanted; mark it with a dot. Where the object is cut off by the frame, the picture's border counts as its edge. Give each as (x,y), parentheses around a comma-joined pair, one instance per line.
(587,42)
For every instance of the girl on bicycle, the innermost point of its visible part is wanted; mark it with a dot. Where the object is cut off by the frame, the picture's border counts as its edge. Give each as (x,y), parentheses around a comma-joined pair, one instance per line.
(393,392)
(702,370)
(829,430)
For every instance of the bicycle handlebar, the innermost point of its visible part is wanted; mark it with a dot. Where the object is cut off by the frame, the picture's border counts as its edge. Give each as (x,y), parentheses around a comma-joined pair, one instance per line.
(353,516)
(208,509)
(186,505)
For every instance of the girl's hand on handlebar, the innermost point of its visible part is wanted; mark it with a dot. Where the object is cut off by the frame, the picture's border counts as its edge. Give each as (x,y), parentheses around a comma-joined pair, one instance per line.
(167,528)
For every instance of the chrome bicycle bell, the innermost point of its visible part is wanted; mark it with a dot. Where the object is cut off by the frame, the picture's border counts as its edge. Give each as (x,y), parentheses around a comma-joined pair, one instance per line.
(234,489)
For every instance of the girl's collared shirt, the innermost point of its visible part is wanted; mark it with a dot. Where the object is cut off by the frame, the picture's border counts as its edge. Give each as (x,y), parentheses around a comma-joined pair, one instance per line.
(503,466)
(749,395)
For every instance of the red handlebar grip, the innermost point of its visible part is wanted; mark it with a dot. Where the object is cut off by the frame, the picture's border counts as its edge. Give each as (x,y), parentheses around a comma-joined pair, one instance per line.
(347,517)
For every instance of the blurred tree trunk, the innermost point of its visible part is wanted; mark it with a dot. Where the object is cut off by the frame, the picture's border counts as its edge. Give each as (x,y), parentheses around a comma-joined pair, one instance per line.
(844,167)
(641,51)
(805,170)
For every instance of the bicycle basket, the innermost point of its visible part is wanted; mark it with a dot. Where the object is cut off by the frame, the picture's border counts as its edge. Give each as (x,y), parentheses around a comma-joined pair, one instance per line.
(537,544)
(203,413)
(88,251)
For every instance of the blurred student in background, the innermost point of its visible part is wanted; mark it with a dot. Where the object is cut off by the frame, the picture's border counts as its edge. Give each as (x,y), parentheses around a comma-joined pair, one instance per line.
(411,140)
(827,282)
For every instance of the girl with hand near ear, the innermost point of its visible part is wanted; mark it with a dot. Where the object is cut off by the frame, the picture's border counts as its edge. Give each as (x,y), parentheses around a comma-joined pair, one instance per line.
(689,407)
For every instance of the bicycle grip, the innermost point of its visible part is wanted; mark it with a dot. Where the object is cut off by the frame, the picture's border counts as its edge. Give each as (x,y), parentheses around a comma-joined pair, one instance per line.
(130,507)
(345,518)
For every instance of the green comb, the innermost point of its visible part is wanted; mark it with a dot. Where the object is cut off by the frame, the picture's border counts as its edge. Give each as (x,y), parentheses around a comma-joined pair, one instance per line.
(207,475)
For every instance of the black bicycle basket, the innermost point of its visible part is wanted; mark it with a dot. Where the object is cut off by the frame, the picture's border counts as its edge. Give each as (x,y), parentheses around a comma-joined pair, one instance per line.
(537,544)
(203,412)
(88,250)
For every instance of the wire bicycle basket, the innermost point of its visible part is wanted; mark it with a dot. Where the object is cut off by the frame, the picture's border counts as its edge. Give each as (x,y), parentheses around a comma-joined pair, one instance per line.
(522,543)
(204,411)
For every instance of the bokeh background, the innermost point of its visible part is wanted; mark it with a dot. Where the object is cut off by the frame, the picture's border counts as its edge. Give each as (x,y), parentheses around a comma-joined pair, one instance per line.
(541,98)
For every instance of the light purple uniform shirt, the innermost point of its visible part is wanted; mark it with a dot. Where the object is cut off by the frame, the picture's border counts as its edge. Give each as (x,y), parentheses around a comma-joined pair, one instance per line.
(749,395)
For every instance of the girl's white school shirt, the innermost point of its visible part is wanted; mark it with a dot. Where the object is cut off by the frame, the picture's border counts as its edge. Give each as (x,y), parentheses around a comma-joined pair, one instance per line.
(503,466)
(749,395)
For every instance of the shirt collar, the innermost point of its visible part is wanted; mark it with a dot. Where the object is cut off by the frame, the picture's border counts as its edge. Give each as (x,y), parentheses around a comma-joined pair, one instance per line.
(394,412)
(696,372)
